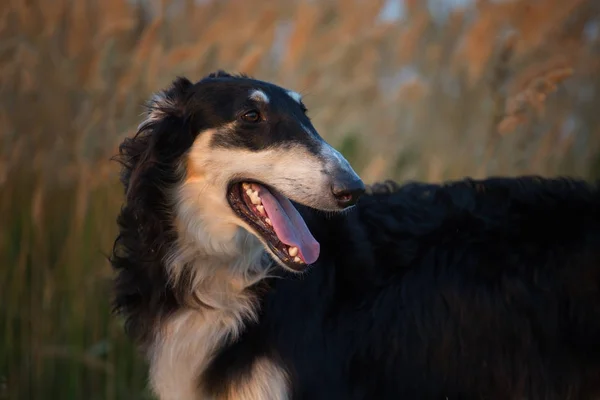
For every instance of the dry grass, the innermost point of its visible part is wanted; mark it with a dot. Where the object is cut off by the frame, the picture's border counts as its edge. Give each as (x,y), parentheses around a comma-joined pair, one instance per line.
(500,88)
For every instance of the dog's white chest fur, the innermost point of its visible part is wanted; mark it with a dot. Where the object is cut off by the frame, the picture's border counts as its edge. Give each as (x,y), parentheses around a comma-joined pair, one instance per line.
(184,348)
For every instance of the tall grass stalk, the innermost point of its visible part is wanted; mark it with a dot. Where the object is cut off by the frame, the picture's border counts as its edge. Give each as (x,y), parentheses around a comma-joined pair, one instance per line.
(499,88)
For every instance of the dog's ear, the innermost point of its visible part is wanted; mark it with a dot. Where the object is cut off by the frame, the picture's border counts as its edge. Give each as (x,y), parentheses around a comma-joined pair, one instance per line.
(150,166)
(163,136)
(168,103)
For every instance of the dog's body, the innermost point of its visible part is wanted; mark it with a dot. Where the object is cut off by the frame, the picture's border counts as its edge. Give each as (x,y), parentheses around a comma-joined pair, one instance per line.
(471,290)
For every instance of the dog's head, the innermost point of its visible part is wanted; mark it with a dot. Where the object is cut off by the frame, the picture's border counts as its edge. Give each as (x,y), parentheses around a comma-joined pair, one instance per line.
(244,148)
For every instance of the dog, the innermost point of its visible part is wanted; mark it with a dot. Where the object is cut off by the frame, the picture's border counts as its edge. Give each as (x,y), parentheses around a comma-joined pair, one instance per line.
(252,262)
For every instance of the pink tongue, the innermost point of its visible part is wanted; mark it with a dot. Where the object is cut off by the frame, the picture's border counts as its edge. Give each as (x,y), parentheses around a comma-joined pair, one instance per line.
(289,225)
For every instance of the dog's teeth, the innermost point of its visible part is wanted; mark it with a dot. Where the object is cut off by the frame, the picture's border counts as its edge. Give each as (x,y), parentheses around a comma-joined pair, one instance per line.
(261,209)
(255,200)
(245,186)
(268,221)
(249,192)
(293,251)
(297,259)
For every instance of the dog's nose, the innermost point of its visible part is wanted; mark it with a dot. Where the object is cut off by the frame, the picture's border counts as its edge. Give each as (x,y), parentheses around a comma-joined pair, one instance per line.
(347,192)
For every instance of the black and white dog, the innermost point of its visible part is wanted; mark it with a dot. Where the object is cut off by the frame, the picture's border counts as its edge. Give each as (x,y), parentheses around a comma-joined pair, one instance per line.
(240,278)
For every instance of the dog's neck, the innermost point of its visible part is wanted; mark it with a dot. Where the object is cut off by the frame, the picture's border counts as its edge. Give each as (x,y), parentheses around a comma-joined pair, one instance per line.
(215,262)
(216,279)
(217,257)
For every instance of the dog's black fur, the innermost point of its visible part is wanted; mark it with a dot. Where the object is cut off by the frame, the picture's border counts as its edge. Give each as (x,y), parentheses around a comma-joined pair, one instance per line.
(472,290)
(145,232)
(476,289)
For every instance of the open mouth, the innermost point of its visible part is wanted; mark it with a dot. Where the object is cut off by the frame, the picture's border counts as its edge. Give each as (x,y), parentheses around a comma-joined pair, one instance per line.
(277,221)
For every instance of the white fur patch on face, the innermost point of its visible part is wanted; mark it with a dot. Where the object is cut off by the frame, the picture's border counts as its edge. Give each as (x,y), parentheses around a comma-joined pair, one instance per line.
(259,95)
(204,214)
(293,171)
(296,96)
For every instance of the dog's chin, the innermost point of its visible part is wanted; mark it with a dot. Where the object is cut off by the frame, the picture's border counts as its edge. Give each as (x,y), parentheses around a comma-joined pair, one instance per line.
(256,219)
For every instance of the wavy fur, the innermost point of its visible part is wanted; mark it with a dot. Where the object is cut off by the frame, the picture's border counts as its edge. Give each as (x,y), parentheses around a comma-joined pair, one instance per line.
(467,290)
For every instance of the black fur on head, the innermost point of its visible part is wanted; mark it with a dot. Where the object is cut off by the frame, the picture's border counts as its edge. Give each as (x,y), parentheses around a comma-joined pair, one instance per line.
(149,169)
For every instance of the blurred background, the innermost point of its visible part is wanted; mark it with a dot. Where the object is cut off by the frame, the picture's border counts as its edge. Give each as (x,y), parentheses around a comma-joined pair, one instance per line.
(429,90)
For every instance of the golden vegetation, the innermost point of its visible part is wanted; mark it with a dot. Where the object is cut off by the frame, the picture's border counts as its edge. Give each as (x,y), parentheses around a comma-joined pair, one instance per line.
(497,88)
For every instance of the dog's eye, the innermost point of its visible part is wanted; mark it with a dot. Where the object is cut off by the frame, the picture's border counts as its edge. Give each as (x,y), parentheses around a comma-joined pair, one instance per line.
(251,116)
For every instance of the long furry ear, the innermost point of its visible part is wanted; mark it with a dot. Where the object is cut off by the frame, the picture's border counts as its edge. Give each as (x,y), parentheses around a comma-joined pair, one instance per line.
(162,135)
(167,103)
(150,167)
